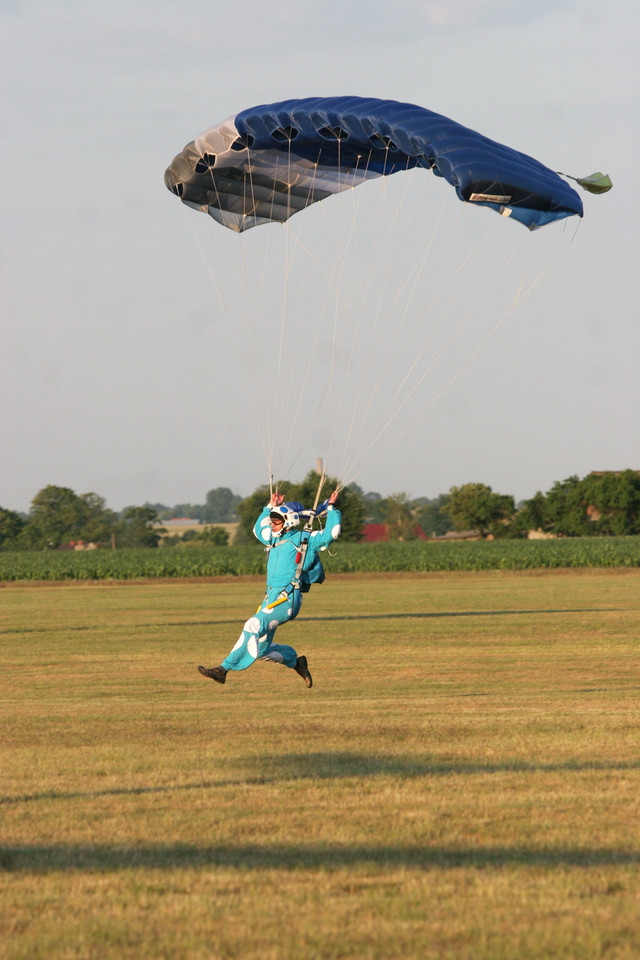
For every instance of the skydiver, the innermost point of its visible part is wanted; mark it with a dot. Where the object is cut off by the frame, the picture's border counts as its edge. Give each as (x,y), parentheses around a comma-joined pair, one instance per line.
(276,528)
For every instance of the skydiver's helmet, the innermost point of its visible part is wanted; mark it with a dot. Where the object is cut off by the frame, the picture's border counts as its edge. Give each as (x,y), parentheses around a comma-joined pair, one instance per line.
(289,513)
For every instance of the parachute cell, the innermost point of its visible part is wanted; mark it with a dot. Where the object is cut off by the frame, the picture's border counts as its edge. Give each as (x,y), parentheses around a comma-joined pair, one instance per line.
(271,161)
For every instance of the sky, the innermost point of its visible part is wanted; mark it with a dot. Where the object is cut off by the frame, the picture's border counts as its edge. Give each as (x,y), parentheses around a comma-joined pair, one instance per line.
(118,374)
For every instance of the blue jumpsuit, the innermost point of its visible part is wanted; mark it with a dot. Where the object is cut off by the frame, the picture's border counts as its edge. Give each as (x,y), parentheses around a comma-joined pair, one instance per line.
(256,640)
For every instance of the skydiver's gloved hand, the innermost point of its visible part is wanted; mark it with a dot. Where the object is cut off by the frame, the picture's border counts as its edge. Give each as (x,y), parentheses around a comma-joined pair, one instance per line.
(333,499)
(277,499)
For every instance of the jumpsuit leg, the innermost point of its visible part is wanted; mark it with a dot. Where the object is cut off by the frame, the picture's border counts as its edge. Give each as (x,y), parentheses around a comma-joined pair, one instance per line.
(256,640)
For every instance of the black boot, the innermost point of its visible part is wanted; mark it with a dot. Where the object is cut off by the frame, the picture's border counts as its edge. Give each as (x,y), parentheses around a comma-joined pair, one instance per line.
(302,669)
(214,673)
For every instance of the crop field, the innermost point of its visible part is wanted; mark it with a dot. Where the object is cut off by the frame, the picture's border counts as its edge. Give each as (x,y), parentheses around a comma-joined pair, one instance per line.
(462,782)
(416,555)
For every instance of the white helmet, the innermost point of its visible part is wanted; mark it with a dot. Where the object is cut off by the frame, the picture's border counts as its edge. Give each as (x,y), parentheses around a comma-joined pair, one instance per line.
(289,513)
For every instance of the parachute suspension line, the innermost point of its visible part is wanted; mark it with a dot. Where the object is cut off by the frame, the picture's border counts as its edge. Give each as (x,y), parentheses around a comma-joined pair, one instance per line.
(380,322)
(339,282)
(299,355)
(277,416)
(343,305)
(472,254)
(360,409)
(311,359)
(258,343)
(423,314)
(297,245)
(360,292)
(417,270)
(207,267)
(517,299)
(227,317)
(551,264)
(328,288)
(373,439)
(303,352)
(331,289)
(261,344)
(438,323)
(447,386)
(365,409)
(250,327)
(331,393)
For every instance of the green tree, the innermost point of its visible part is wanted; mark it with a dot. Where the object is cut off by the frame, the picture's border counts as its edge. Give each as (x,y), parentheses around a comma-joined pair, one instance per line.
(136,529)
(221,506)
(56,516)
(532,514)
(399,518)
(11,526)
(474,506)
(216,536)
(164,512)
(612,502)
(192,511)
(374,507)
(59,515)
(249,509)
(99,522)
(565,511)
(433,516)
(210,536)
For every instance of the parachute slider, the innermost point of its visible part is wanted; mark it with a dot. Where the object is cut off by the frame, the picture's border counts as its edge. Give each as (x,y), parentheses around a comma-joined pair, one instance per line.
(594,183)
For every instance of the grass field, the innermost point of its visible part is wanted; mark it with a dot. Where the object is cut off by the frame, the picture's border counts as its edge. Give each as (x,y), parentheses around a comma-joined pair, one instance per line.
(463,780)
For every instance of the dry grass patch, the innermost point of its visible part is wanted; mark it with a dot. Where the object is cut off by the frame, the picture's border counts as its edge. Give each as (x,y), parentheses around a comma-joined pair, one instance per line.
(462,781)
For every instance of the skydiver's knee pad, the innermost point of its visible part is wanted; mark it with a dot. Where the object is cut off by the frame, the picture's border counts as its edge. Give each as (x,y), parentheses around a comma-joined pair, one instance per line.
(254,625)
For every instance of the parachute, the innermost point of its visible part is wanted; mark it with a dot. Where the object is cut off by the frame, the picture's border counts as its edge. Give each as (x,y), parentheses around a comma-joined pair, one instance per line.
(271,161)
(352,323)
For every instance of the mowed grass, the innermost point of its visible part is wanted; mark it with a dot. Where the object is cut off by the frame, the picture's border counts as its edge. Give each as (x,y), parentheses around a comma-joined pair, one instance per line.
(463,780)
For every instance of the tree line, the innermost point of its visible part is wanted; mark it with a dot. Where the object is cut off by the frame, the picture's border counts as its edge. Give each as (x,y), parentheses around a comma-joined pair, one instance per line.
(600,504)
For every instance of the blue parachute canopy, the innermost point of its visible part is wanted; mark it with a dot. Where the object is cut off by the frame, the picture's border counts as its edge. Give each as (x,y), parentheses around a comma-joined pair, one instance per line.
(271,161)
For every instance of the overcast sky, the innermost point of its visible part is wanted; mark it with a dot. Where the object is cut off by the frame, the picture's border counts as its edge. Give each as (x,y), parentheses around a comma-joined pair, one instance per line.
(117,377)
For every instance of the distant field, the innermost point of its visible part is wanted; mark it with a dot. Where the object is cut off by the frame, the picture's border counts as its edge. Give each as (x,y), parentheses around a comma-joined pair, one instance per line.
(177,529)
(413,556)
(461,783)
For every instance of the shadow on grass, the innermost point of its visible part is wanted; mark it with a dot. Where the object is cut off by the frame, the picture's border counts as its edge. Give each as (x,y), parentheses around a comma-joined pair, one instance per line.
(287,768)
(416,615)
(108,858)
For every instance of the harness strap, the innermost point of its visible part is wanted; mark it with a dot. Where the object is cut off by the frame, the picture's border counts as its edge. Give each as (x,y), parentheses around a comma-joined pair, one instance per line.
(302,551)
(306,536)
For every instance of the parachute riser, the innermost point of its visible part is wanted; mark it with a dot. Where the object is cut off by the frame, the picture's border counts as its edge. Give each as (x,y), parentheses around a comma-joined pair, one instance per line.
(306,536)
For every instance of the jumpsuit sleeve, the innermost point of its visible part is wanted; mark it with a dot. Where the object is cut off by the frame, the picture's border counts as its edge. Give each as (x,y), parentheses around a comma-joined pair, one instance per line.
(262,527)
(322,538)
